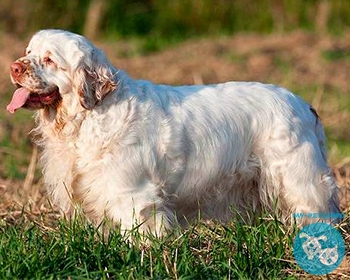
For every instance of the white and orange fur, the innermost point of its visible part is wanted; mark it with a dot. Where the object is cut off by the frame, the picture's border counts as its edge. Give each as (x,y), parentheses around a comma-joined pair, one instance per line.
(160,155)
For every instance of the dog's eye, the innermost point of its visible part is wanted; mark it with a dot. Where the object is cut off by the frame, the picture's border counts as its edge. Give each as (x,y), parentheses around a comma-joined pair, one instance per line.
(48,61)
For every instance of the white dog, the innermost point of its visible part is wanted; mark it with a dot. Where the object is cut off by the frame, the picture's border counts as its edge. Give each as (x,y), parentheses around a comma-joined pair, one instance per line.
(160,155)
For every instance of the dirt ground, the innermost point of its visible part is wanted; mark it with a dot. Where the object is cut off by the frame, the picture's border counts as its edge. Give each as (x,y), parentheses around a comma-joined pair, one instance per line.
(298,61)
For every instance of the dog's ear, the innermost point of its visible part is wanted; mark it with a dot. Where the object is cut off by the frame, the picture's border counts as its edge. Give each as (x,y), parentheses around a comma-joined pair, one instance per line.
(93,79)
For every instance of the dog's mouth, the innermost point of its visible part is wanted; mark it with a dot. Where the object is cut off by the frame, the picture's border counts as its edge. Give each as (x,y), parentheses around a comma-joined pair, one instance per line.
(25,98)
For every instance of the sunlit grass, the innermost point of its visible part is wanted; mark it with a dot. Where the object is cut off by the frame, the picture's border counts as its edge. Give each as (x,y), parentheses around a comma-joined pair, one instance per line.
(79,250)
(75,249)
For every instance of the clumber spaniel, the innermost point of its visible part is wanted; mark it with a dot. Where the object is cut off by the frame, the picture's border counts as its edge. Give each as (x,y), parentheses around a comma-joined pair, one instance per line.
(160,155)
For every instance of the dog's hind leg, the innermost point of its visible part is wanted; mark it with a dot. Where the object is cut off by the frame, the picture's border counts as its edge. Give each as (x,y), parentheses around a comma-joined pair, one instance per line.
(296,173)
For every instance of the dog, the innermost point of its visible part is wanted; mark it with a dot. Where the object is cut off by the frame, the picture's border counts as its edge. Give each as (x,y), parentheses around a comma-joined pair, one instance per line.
(159,156)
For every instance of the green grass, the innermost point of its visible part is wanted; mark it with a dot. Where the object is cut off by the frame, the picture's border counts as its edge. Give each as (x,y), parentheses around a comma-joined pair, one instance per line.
(336,54)
(77,250)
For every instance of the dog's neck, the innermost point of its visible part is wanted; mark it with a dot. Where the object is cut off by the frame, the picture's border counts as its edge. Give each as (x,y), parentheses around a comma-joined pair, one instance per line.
(60,122)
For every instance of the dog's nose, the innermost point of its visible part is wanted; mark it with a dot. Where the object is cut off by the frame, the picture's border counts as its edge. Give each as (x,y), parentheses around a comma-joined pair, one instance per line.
(17,69)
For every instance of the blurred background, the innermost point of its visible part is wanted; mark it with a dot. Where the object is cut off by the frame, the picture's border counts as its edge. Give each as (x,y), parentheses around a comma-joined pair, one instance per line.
(174,19)
(298,44)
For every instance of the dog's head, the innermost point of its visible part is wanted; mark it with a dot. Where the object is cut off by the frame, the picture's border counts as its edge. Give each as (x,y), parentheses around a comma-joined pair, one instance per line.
(60,65)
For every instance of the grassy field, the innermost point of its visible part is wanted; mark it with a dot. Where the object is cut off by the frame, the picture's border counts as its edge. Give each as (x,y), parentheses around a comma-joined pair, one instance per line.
(36,243)
(205,251)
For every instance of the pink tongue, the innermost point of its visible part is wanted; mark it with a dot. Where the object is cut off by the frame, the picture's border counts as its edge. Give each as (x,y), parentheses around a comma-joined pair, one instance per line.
(19,98)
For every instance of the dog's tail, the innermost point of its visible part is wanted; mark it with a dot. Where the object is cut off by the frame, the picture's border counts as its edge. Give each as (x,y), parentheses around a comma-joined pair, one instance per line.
(319,131)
